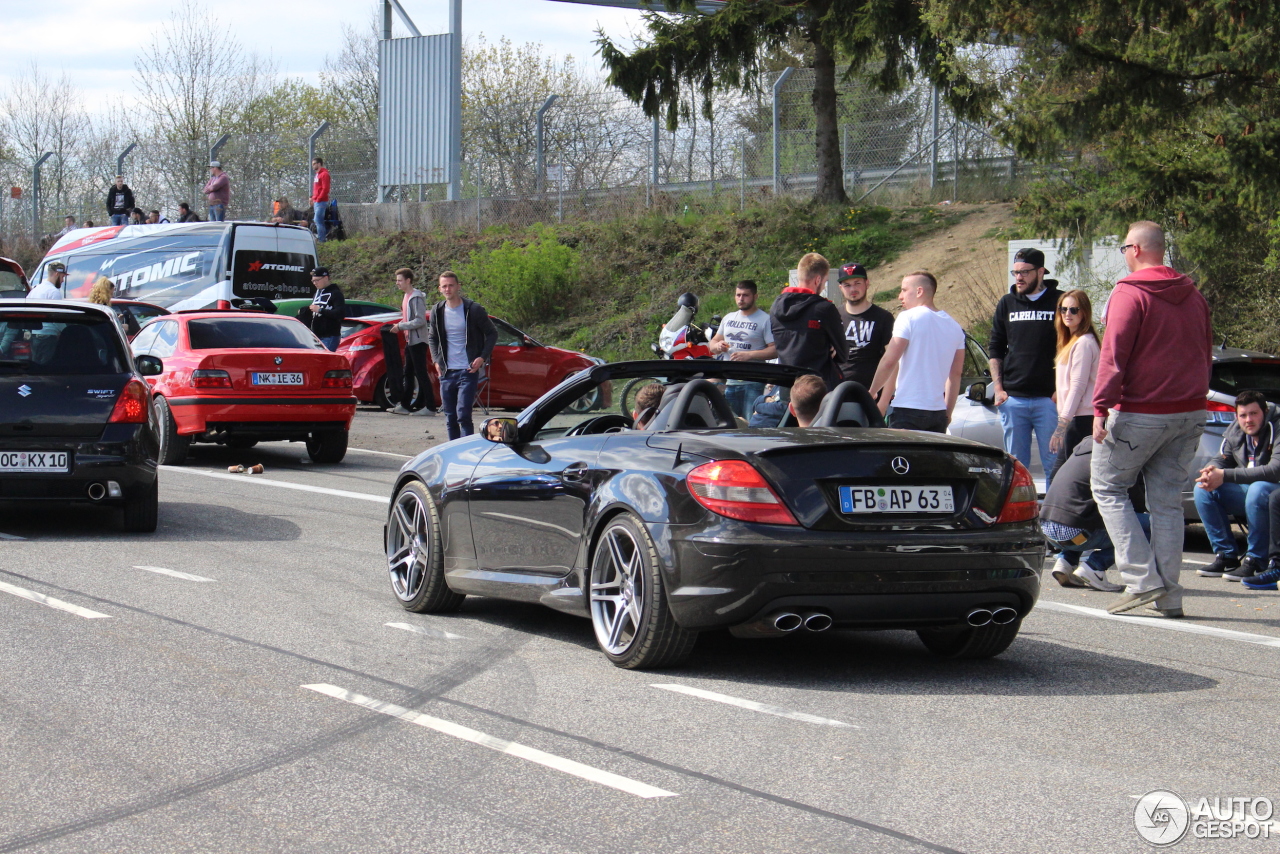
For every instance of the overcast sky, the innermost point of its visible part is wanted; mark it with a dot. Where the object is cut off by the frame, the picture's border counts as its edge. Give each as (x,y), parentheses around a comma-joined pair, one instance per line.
(95,42)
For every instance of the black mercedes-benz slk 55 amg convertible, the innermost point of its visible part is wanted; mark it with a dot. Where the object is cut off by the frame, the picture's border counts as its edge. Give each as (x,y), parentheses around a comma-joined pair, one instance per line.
(663,523)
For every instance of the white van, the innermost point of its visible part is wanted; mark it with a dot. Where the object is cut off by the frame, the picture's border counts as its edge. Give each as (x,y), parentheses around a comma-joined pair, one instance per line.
(188,265)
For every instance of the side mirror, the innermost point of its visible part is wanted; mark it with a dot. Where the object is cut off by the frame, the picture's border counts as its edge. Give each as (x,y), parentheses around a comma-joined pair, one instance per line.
(977,393)
(501,430)
(149,366)
(526,341)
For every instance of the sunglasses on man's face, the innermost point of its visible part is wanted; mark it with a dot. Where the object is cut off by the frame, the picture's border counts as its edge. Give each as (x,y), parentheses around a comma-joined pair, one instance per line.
(1069,309)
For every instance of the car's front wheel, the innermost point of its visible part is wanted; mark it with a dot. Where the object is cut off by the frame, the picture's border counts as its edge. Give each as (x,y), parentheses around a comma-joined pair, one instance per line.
(414,556)
(979,642)
(173,446)
(633,623)
(327,446)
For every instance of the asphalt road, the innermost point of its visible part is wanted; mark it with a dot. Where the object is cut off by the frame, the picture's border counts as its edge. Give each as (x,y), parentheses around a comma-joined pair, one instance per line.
(243,680)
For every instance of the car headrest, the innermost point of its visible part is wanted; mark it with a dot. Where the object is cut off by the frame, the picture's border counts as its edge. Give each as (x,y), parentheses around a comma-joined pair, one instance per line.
(695,405)
(848,405)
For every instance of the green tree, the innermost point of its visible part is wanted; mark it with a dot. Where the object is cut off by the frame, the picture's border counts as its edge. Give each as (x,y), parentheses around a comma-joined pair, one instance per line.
(688,55)
(1161,110)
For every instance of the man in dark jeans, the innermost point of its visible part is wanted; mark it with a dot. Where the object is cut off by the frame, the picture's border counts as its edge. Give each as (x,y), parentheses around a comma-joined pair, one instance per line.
(461,337)
(413,323)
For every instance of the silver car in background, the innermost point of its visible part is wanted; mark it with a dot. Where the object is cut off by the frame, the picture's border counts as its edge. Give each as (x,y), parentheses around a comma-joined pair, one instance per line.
(1234,370)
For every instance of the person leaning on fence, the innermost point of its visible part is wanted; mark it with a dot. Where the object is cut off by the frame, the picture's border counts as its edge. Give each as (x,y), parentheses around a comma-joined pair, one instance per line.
(1153,377)
(1238,482)
(217,190)
(320,198)
(119,202)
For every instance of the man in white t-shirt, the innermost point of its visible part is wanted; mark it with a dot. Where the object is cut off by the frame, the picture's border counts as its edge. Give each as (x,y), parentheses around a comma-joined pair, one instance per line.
(51,288)
(744,336)
(927,352)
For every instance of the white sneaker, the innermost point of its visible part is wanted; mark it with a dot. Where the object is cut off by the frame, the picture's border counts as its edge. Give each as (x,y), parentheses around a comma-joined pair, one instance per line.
(1061,573)
(398,410)
(422,411)
(1090,577)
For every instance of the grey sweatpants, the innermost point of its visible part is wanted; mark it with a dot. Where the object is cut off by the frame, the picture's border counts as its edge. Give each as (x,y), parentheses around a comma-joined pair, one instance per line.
(1160,448)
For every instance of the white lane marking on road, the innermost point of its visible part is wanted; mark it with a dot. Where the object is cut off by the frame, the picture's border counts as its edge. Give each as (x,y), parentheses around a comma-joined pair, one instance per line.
(11,537)
(50,602)
(425,630)
(379,453)
(185,576)
(1154,622)
(511,748)
(754,706)
(283,484)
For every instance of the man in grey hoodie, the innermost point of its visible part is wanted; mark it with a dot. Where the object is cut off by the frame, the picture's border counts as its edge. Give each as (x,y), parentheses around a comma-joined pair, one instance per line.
(413,324)
(1238,482)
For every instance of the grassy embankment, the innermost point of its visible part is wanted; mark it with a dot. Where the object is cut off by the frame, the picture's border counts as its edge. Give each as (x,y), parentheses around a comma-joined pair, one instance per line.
(605,287)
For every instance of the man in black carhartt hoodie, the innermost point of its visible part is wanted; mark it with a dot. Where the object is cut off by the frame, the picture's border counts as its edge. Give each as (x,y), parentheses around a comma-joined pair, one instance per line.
(1023,346)
(806,326)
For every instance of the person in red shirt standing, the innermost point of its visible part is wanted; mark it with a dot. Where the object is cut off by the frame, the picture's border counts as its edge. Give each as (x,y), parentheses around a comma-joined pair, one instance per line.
(320,196)
(1148,407)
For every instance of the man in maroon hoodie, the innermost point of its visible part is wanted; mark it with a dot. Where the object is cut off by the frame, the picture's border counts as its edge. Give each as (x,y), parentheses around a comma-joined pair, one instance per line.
(1148,408)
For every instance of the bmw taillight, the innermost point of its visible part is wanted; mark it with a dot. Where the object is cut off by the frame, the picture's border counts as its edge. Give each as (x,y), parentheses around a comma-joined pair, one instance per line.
(132,404)
(336,379)
(1020,505)
(360,342)
(1214,406)
(735,489)
(210,379)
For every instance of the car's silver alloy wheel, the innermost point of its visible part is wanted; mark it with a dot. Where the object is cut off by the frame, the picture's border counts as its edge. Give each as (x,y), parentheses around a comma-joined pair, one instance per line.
(408,545)
(617,590)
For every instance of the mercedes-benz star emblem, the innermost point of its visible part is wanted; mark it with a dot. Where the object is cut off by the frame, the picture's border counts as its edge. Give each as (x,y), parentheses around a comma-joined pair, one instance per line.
(24,390)
(900,465)
(279,359)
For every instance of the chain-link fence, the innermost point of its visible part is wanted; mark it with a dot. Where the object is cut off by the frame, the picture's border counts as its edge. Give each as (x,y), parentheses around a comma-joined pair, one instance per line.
(598,156)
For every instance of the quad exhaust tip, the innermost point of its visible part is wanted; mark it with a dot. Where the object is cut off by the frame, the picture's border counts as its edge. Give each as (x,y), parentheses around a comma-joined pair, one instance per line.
(1001,616)
(816,621)
(787,621)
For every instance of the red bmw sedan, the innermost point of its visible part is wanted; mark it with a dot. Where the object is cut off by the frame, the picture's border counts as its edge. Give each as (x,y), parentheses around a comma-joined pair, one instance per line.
(237,378)
(519,373)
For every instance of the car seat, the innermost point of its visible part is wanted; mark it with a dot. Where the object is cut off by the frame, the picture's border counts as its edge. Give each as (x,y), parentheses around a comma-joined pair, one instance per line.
(77,351)
(848,405)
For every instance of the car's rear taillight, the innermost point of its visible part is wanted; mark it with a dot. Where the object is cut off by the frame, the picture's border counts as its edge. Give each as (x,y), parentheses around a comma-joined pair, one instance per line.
(223,305)
(336,379)
(132,405)
(360,342)
(1020,504)
(735,489)
(210,379)
(1214,406)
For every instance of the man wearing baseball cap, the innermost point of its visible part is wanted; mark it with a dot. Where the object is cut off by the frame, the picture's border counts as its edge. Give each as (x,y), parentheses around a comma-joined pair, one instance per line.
(51,288)
(218,191)
(328,308)
(867,326)
(1023,345)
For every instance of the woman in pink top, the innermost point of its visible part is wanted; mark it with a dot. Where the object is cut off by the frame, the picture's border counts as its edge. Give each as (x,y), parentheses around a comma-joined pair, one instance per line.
(1076,372)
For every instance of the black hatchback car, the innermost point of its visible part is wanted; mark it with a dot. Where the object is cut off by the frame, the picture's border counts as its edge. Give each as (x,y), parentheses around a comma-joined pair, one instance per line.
(76,421)
(698,521)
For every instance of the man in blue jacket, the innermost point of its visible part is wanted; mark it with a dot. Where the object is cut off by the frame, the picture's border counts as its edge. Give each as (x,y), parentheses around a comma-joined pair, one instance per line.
(461,337)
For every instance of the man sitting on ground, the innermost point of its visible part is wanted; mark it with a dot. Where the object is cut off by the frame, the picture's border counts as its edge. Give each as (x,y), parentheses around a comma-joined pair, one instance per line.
(647,401)
(806,398)
(1239,482)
